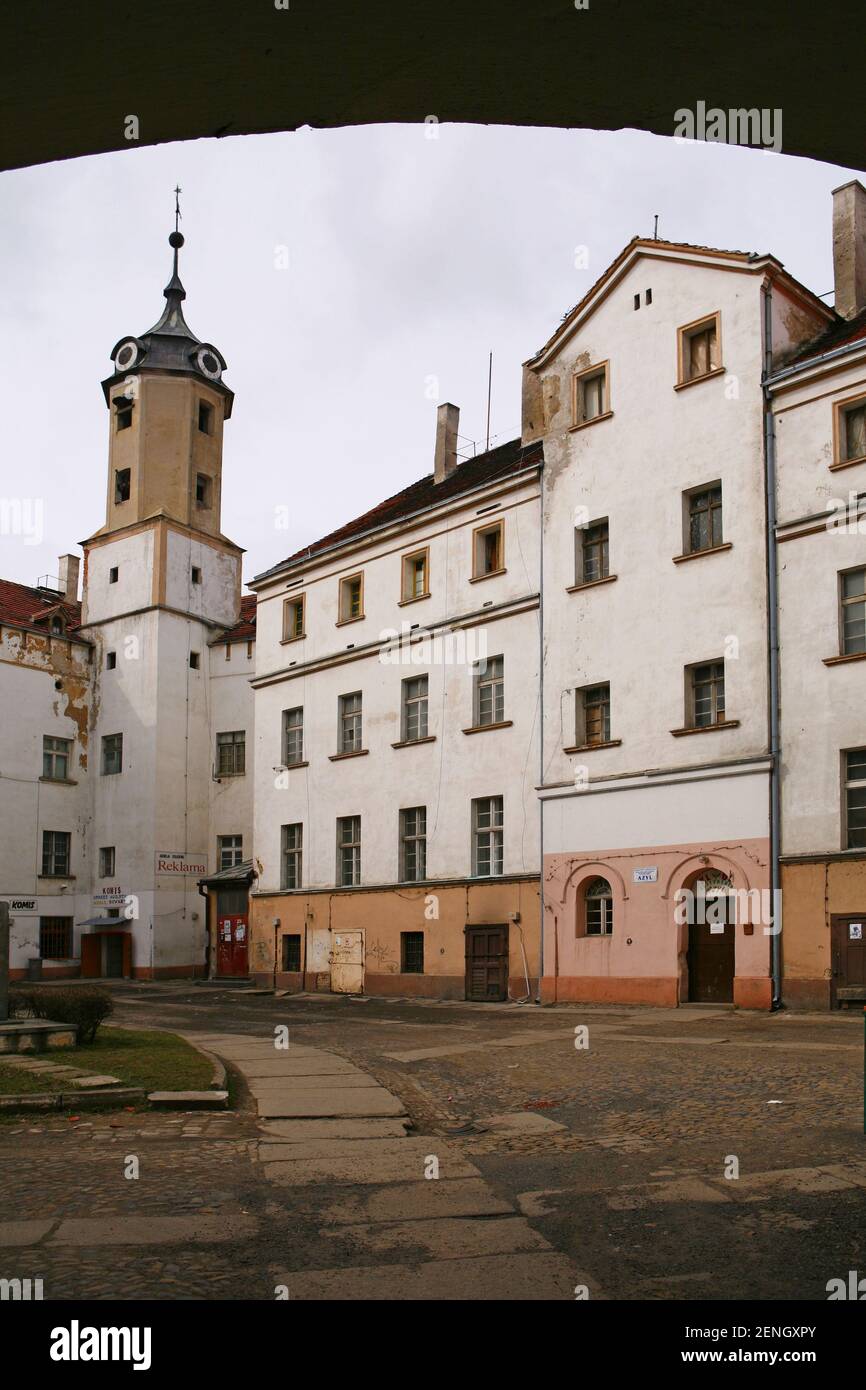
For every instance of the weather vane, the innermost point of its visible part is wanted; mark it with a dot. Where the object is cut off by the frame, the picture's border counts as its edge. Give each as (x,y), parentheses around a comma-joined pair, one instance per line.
(177,192)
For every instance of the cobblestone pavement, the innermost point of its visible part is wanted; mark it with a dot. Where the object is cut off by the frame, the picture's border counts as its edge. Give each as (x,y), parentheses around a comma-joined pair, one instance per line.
(615,1154)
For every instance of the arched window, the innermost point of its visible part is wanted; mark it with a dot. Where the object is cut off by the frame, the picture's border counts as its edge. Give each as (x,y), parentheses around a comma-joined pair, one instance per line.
(599,908)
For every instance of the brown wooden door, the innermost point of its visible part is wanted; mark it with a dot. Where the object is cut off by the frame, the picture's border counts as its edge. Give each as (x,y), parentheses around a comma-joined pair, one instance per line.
(487,963)
(711,963)
(91,957)
(848,981)
(232,946)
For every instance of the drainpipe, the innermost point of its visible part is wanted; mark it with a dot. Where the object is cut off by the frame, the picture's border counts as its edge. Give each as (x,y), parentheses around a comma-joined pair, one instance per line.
(208,954)
(773,640)
(541,730)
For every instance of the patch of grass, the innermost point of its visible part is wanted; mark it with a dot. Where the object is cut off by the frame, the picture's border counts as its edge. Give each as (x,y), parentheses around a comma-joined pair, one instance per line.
(156,1061)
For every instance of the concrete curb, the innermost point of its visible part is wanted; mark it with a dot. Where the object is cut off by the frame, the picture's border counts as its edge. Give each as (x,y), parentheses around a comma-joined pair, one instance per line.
(71,1100)
(218,1079)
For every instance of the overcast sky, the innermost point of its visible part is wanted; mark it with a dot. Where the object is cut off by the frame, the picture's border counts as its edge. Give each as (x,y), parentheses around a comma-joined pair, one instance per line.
(409,259)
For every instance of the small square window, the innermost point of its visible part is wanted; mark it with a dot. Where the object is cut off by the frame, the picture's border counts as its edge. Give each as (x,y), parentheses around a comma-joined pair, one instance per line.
(591,394)
(194,661)
(351,598)
(196,574)
(122,485)
(110,661)
(205,417)
(202,490)
(113,574)
(699,349)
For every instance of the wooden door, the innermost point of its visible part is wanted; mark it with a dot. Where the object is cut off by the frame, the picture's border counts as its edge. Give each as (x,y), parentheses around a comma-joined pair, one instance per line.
(848,944)
(347,962)
(91,957)
(232,947)
(487,964)
(711,963)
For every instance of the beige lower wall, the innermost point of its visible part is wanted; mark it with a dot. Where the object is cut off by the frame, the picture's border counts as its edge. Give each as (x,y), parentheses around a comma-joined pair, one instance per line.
(440,911)
(811,894)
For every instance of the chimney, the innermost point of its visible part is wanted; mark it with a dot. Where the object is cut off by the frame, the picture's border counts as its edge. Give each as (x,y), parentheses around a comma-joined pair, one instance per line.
(447,420)
(849,248)
(68,567)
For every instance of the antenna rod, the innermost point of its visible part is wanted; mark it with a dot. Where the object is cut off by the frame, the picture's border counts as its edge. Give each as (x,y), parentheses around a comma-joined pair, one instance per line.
(489,385)
(656,229)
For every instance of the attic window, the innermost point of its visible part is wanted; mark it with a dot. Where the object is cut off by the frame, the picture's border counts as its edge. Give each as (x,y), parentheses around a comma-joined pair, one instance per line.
(57,623)
(202,489)
(699,349)
(205,417)
(122,485)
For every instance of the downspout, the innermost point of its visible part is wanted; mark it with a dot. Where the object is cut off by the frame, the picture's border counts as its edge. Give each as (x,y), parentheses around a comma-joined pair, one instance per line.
(541,731)
(208,954)
(773,653)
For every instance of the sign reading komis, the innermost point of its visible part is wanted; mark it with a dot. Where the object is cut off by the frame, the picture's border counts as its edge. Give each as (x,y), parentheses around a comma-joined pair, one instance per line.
(176,863)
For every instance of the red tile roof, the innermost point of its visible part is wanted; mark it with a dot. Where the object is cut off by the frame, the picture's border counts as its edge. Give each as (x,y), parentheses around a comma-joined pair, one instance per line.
(839,334)
(244,629)
(502,462)
(21,605)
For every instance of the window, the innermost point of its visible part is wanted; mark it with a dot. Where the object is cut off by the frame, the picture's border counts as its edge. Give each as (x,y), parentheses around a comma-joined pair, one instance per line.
(489,679)
(707,694)
(122,413)
(599,908)
(591,552)
(593,715)
(293,618)
(56,850)
(110,661)
(196,574)
(704,518)
(291,855)
(57,625)
(412,952)
(489,550)
(194,661)
(348,851)
(350,723)
(112,754)
(56,753)
(113,574)
(590,394)
(202,490)
(414,709)
(699,353)
(351,598)
(55,938)
(853,615)
(293,736)
(854,772)
(205,417)
(122,485)
(230,851)
(413,844)
(232,753)
(291,955)
(415,577)
(487,837)
(106,862)
(850,431)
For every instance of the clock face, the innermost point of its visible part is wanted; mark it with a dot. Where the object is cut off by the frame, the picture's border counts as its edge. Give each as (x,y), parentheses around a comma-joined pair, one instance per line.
(126,356)
(209,363)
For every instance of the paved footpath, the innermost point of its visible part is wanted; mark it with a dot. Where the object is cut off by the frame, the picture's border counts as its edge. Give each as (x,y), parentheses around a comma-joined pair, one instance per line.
(339,1141)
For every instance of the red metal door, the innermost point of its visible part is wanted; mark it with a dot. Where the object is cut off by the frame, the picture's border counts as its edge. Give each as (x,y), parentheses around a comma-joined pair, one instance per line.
(232,946)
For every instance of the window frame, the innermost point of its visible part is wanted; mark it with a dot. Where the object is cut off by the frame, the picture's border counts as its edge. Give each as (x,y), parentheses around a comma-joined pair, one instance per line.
(488,675)
(407,951)
(50,853)
(850,602)
(841,409)
(850,784)
(229,853)
(342,617)
(685,334)
(582,709)
(581,545)
(106,865)
(291,603)
(478,536)
(205,501)
(691,694)
(414,835)
(354,845)
(292,854)
(115,741)
(406,595)
(287,950)
(235,744)
(689,514)
(206,413)
(54,754)
(409,702)
(119,486)
(605,901)
(350,719)
(579,381)
(494,832)
(48,924)
(298,729)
